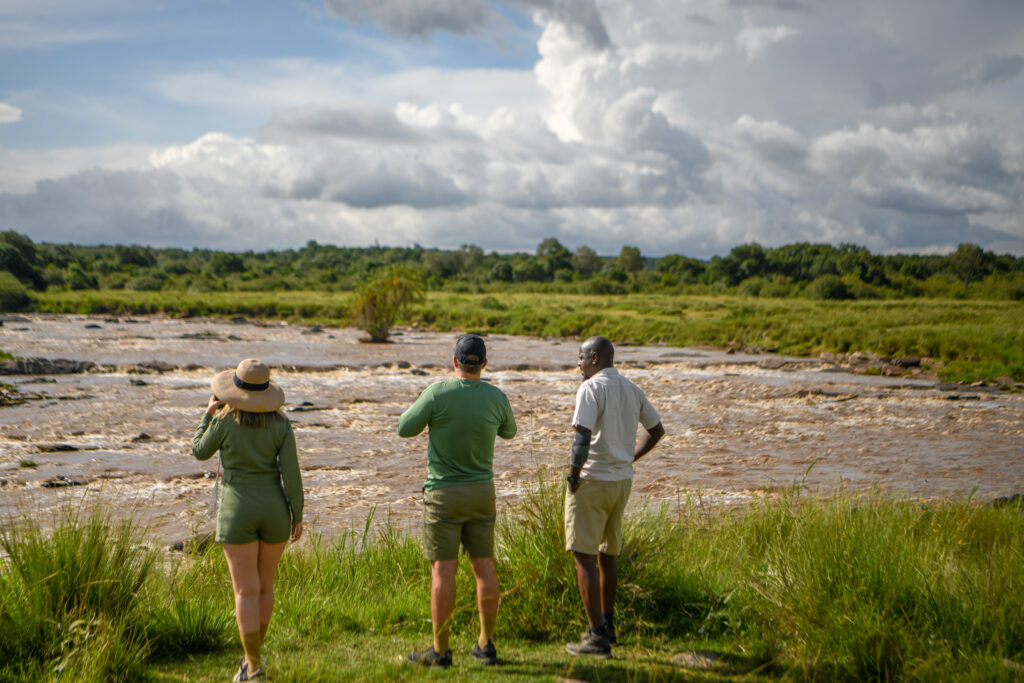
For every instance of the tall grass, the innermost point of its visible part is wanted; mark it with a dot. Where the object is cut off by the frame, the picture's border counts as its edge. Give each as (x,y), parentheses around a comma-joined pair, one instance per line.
(68,597)
(796,587)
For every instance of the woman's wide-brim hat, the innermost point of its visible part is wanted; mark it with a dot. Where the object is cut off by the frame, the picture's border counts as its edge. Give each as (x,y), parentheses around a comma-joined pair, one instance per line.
(248,387)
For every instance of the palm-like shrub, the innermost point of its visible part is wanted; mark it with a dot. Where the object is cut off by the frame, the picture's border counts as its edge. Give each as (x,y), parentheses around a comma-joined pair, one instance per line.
(386,296)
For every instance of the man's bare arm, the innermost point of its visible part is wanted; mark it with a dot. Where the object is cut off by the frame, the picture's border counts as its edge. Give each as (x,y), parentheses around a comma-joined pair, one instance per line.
(648,440)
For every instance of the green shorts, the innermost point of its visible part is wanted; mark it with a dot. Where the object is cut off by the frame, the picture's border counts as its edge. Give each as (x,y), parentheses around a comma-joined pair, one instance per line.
(593,516)
(253,512)
(458,514)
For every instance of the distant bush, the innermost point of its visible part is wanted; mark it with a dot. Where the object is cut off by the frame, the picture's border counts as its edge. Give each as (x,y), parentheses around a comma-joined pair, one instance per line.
(13,295)
(600,285)
(828,287)
(492,303)
(78,278)
(146,283)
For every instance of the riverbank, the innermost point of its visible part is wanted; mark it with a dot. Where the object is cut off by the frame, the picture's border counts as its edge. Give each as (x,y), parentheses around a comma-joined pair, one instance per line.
(844,588)
(961,340)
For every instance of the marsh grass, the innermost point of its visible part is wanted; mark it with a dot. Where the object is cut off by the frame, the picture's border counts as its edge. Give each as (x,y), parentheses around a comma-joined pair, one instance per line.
(974,339)
(791,586)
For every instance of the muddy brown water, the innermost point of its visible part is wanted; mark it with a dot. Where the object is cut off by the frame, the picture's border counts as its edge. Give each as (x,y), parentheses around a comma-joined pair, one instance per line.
(735,431)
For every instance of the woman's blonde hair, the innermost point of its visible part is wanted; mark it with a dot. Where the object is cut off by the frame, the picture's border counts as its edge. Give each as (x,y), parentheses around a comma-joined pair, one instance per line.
(247,419)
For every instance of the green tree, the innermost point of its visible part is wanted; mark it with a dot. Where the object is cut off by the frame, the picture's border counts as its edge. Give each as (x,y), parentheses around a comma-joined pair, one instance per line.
(630,260)
(135,255)
(970,263)
(388,294)
(585,261)
(501,272)
(472,257)
(20,257)
(222,263)
(443,264)
(79,278)
(553,256)
(684,269)
(13,295)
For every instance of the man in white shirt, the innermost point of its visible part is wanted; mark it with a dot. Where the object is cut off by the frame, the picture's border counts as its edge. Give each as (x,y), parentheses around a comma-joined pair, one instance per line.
(608,409)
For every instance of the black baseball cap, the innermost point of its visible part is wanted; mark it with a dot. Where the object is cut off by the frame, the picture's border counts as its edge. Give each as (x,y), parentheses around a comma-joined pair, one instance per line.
(470,350)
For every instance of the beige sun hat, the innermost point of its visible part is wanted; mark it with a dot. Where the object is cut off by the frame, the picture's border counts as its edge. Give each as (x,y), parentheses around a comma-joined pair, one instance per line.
(248,387)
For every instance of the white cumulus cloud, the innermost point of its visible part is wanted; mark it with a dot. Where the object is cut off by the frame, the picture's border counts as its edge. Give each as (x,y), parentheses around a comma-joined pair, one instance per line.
(9,113)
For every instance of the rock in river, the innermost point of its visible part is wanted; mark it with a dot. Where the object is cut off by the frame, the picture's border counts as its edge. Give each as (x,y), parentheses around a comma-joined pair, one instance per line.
(44,366)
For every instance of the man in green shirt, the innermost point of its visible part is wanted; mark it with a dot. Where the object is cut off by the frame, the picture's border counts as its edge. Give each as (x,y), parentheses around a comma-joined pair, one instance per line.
(463,416)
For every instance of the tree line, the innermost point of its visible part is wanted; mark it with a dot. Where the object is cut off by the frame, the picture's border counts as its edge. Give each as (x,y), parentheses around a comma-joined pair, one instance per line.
(821,271)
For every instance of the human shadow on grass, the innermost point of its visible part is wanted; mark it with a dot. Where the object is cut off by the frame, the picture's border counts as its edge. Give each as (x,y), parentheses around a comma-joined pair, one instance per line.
(690,665)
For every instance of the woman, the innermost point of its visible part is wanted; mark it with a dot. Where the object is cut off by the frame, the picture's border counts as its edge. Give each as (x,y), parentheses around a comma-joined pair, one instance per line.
(261,498)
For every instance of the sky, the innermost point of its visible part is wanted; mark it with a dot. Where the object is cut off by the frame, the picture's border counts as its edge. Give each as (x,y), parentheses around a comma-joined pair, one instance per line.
(677,126)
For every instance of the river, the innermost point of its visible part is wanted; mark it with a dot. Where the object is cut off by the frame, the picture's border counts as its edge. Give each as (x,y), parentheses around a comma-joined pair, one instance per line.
(737,427)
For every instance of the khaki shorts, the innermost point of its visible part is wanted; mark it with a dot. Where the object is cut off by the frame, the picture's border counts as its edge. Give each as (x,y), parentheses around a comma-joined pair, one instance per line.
(461,514)
(593,516)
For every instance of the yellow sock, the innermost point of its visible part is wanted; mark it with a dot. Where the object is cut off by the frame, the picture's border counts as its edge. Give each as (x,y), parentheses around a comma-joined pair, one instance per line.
(251,645)
(263,633)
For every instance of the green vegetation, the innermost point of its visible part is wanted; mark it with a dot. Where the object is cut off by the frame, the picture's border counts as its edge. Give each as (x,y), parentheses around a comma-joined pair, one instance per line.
(13,294)
(963,310)
(972,339)
(815,271)
(384,297)
(793,587)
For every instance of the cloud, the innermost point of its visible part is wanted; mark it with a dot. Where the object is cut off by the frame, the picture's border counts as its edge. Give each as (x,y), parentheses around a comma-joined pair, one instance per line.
(942,169)
(415,18)
(785,5)
(996,69)
(581,17)
(421,18)
(31,35)
(771,140)
(754,41)
(272,86)
(9,113)
(892,125)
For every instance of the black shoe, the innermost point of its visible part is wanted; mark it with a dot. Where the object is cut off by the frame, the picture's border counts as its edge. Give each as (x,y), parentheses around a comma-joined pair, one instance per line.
(594,643)
(488,654)
(429,657)
(609,630)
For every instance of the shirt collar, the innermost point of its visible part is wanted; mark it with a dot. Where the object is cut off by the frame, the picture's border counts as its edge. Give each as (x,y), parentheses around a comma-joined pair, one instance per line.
(605,371)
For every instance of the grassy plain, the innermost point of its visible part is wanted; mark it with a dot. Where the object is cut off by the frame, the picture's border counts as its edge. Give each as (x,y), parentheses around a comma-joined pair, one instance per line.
(791,588)
(972,339)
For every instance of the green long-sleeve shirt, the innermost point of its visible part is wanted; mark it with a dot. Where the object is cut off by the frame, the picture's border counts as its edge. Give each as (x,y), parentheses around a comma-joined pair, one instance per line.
(255,452)
(464,416)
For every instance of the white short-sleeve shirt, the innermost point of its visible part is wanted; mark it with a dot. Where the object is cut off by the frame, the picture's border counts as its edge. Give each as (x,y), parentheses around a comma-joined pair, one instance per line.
(610,406)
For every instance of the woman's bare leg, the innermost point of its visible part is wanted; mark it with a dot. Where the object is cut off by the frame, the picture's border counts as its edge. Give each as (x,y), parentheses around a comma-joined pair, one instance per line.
(269,557)
(243,563)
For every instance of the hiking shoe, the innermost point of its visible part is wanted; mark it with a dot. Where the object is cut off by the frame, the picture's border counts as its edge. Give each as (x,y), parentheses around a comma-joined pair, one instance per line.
(594,643)
(258,675)
(429,657)
(609,630)
(488,654)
